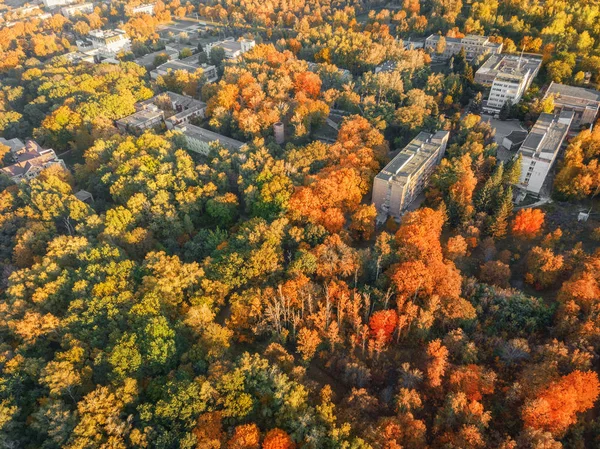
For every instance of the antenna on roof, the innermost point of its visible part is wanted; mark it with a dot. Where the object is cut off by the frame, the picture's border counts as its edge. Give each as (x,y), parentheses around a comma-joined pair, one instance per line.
(521,56)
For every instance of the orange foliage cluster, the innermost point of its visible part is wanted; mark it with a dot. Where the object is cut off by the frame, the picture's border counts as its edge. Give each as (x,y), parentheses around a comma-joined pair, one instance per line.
(278,439)
(268,86)
(424,272)
(579,299)
(338,189)
(528,223)
(246,436)
(543,267)
(474,381)
(438,361)
(555,408)
(383,324)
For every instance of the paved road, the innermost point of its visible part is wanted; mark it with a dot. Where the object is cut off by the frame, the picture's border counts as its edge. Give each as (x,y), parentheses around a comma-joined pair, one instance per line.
(503,128)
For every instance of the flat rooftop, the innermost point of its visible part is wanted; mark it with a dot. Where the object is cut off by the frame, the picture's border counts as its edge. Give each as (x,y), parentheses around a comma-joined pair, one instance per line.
(547,135)
(206,135)
(470,38)
(141,117)
(573,94)
(148,60)
(178,65)
(412,157)
(179,100)
(510,65)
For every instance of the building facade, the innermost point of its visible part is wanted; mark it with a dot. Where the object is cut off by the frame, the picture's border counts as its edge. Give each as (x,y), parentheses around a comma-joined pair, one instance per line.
(585,103)
(406,176)
(540,149)
(108,43)
(57,3)
(473,45)
(75,10)
(509,77)
(199,139)
(147,8)
(232,48)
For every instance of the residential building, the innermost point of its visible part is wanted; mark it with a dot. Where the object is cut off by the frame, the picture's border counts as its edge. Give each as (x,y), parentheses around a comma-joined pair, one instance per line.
(79,56)
(15,145)
(185,108)
(147,117)
(474,46)
(541,148)
(199,139)
(78,9)
(148,60)
(190,65)
(146,8)
(405,177)
(413,43)
(56,3)
(527,63)
(585,103)
(109,43)
(232,48)
(10,17)
(509,77)
(169,108)
(30,159)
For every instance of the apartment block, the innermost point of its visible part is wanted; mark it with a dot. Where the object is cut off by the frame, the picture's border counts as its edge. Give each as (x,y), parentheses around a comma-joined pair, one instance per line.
(147,8)
(200,139)
(509,77)
(473,45)
(406,176)
(169,108)
(30,159)
(232,48)
(190,65)
(55,3)
(147,117)
(75,10)
(540,149)
(108,43)
(585,103)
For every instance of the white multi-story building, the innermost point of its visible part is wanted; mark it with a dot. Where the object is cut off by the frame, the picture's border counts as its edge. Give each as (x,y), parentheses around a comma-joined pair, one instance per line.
(199,139)
(405,177)
(585,103)
(108,43)
(147,8)
(30,159)
(56,3)
(232,48)
(75,10)
(540,149)
(509,77)
(473,45)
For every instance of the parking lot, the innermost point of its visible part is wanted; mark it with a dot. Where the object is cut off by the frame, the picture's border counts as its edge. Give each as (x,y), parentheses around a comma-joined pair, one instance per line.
(503,129)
